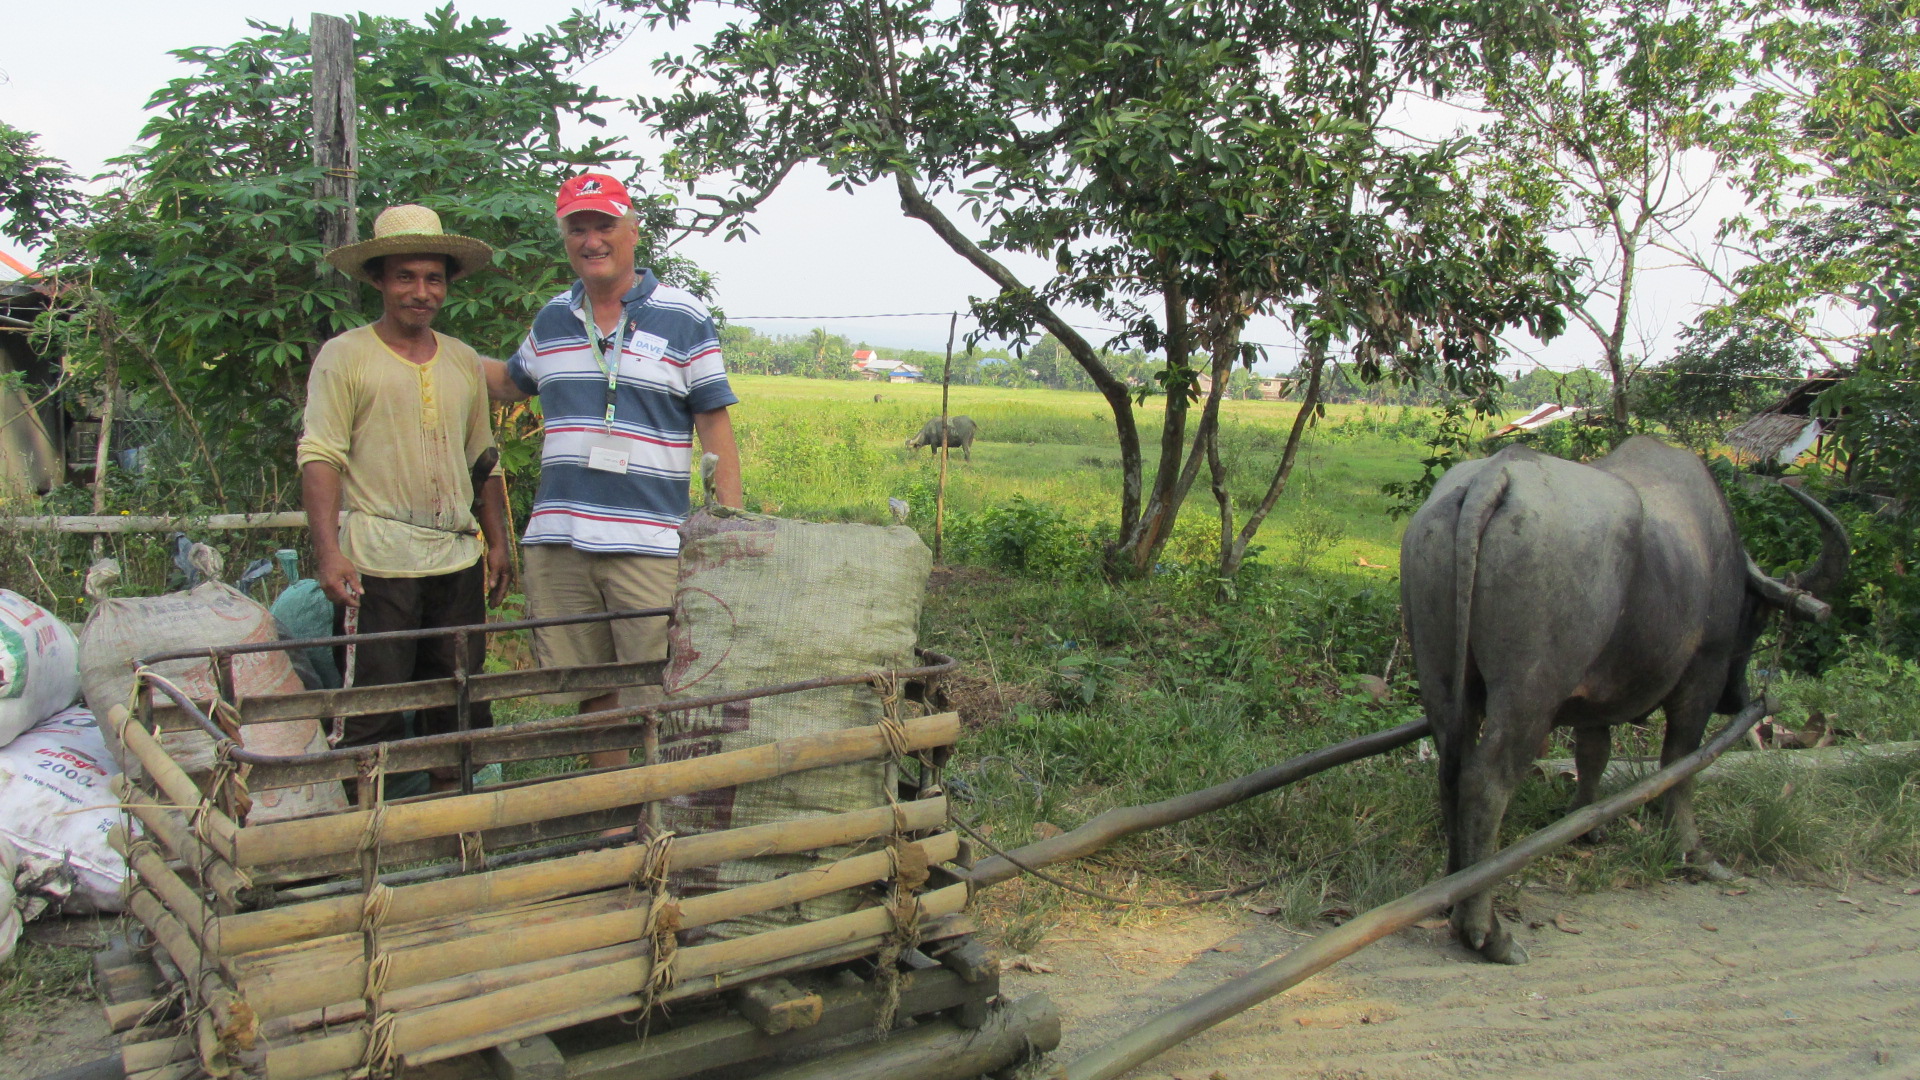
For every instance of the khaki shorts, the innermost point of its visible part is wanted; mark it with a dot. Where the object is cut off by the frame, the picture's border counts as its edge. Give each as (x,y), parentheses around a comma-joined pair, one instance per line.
(560,579)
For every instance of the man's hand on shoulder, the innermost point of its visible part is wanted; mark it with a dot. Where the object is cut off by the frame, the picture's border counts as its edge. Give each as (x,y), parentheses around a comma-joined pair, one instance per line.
(500,385)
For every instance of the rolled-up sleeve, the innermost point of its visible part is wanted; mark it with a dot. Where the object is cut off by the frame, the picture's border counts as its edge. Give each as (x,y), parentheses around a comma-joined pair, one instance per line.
(707,386)
(328,435)
(520,368)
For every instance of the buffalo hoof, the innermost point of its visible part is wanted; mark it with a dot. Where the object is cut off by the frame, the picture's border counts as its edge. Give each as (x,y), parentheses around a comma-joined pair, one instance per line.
(1502,949)
(1711,869)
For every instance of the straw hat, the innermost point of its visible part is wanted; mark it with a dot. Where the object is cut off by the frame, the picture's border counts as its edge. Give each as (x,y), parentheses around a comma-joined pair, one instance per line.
(410,230)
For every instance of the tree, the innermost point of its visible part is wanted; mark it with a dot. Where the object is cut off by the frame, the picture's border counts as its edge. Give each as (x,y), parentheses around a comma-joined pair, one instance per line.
(203,264)
(1837,213)
(1183,166)
(1722,372)
(1622,137)
(38,194)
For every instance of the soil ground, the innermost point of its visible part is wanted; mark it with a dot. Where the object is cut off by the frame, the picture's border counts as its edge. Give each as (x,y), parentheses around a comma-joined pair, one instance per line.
(1676,982)
(1755,981)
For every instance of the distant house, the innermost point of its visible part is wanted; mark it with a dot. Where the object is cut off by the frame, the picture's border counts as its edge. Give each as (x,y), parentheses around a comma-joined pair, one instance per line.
(34,431)
(1275,389)
(876,370)
(1787,428)
(1545,413)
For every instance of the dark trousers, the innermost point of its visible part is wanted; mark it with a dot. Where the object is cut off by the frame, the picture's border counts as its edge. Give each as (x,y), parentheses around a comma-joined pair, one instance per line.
(456,599)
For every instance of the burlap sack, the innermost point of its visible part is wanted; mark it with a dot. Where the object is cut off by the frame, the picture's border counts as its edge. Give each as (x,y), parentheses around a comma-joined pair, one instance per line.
(121,630)
(766,600)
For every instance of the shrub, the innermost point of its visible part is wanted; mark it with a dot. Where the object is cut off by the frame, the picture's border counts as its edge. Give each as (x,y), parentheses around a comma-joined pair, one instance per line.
(1021,536)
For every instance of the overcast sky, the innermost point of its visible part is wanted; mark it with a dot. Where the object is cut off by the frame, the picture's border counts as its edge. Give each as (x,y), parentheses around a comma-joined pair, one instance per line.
(818,253)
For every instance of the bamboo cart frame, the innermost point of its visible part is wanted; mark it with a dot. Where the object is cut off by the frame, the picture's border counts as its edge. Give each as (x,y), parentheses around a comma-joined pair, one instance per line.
(401,932)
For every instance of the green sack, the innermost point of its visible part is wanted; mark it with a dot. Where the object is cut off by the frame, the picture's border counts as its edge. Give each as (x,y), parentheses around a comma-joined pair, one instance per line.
(763,601)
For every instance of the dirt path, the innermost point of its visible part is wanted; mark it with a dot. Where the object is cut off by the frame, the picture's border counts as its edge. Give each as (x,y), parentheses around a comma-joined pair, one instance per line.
(1790,983)
(1676,982)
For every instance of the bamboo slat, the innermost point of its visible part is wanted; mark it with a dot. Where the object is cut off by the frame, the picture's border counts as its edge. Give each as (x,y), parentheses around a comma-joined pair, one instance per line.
(209,989)
(338,833)
(163,824)
(416,1033)
(359,700)
(176,894)
(326,980)
(172,780)
(585,872)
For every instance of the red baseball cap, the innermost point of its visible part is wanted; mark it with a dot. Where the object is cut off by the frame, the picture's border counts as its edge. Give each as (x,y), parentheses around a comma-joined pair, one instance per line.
(593,191)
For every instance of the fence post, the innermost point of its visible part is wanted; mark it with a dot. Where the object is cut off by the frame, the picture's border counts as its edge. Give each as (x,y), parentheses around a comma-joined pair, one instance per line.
(335,131)
(940,497)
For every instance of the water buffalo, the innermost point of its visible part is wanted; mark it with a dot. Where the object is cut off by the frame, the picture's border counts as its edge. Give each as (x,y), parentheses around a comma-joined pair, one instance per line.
(960,430)
(1541,593)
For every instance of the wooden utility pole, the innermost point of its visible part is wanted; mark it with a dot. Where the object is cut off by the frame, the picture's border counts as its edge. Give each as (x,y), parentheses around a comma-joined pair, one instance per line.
(335,131)
(940,496)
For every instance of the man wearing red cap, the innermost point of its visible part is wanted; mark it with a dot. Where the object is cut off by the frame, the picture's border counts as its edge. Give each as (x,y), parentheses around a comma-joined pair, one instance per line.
(628,371)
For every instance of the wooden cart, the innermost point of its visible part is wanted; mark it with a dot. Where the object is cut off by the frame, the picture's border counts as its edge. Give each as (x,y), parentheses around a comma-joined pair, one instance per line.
(534,925)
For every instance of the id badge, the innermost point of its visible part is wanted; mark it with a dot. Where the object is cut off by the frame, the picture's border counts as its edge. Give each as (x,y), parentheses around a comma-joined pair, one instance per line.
(608,453)
(647,346)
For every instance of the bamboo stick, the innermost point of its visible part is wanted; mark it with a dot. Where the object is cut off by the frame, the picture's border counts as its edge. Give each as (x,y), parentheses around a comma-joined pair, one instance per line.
(1122,821)
(335,833)
(139,523)
(328,981)
(416,1033)
(303,957)
(233,1019)
(177,895)
(123,1016)
(936,929)
(172,780)
(226,882)
(152,1054)
(586,872)
(1176,1025)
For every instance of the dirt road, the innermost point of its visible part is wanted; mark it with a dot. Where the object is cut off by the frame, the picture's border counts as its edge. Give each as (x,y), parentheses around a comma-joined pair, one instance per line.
(1677,982)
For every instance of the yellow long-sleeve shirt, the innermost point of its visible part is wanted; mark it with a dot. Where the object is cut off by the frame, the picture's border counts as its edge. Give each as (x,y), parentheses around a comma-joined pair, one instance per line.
(404,437)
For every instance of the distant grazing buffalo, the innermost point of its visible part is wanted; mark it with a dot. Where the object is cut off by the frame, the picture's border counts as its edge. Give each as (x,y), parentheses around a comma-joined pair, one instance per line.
(1540,593)
(960,431)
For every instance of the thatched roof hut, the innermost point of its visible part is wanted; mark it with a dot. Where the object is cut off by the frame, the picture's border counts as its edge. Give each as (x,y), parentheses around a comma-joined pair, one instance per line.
(1787,428)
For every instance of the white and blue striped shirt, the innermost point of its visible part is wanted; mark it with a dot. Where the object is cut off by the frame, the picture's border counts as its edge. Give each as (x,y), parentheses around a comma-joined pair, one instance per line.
(670,369)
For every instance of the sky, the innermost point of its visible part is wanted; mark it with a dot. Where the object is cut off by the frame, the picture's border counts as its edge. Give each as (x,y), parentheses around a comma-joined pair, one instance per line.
(835,259)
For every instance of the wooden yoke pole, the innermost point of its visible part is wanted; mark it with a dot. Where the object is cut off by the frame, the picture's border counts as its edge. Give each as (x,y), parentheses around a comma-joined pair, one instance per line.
(940,497)
(335,134)
(1176,1025)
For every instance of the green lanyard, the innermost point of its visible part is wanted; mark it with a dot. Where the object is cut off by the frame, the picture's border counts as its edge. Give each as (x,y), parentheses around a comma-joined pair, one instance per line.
(612,370)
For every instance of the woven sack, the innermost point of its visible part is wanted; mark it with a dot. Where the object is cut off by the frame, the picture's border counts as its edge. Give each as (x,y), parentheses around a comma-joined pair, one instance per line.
(761,601)
(56,805)
(123,629)
(39,665)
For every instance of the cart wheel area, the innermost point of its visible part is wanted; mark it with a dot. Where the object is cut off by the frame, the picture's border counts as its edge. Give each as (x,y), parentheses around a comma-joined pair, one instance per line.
(951,1024)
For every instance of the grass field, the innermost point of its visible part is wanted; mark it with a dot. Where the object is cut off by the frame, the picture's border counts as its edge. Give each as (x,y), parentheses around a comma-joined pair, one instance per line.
(828,450)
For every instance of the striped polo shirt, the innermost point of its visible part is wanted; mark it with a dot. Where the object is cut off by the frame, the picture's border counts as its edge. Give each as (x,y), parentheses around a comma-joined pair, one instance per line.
(670,369)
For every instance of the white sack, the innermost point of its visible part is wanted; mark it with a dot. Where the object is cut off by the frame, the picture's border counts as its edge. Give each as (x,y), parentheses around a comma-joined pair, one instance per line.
(39,665)
(56,805)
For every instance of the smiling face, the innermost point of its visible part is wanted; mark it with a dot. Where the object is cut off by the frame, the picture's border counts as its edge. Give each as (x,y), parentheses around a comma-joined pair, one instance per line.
(600,246)
(413,287)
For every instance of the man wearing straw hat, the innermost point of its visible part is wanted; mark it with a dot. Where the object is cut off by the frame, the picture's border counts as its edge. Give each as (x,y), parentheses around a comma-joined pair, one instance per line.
(398,436)
(629,372)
